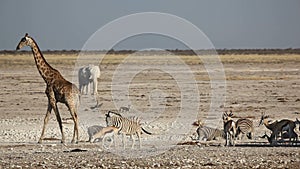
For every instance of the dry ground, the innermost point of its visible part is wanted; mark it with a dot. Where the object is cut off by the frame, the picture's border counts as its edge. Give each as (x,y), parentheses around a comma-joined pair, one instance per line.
(254,84)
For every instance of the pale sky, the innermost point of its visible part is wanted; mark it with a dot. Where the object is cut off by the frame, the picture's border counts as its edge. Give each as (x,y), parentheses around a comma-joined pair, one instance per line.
(68,24)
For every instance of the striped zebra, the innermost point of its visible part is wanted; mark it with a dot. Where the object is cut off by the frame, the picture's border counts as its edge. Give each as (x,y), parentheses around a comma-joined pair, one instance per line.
(244,126)
(126,126)
(208,133)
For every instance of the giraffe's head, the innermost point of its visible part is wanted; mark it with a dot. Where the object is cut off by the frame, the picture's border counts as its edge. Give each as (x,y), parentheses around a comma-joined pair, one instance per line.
(25,41)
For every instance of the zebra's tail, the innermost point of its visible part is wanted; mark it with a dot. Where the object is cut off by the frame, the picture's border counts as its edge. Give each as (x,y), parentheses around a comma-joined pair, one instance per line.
(147,132)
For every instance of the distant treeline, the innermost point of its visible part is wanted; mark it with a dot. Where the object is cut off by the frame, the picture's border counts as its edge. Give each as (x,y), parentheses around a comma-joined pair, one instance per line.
(164,52)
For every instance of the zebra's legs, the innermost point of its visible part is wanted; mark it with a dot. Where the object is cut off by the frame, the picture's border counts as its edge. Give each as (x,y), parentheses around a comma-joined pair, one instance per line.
(124,137)
(133,141)
(232,139)
(139,137)
(226,137)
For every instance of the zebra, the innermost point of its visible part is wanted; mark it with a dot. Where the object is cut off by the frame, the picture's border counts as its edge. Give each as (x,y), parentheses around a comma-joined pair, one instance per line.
(208,133)
(244,126)
(126,126)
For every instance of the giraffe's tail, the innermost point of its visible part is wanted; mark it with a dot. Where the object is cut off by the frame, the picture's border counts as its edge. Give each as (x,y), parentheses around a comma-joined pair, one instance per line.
(79,98)
(78,95)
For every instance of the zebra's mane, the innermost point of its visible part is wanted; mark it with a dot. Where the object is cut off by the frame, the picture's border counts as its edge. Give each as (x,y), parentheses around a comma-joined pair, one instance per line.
(132,118)
(136,119)
(118,114)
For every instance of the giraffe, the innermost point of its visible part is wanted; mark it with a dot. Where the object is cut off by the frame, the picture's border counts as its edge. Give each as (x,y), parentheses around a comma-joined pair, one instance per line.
(58,89)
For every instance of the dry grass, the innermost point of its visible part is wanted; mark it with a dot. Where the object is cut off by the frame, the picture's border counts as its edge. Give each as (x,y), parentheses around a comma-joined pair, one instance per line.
(69,60)
(192,59)
(260,58)
(254,77)
(7,60)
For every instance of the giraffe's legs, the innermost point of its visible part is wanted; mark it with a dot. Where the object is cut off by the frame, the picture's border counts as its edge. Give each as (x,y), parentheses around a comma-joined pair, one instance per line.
(49,109)
(73,113)
(51,97)
(75,119)
(59,123)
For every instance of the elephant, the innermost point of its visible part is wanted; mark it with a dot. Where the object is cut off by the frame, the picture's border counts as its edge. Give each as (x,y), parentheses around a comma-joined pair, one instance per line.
(88,75)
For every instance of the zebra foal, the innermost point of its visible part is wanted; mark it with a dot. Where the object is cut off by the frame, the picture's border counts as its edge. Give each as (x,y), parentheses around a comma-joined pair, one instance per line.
(126,126)
(208,133)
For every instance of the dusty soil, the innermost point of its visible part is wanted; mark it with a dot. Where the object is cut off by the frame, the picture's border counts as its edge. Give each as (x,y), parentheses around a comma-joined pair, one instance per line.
(253,86)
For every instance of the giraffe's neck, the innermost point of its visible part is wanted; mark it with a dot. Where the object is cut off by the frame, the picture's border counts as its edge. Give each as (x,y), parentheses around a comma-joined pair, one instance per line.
(45,70)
